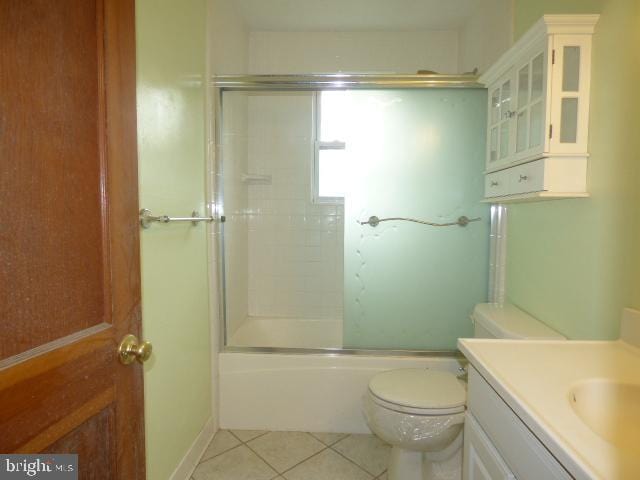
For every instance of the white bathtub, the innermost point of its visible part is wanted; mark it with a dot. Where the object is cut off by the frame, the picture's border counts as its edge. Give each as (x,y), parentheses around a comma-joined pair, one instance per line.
(304,392)
(287,333)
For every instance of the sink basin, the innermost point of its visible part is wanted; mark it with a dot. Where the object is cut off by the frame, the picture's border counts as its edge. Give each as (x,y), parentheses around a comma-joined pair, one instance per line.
(611,409)
(580,398)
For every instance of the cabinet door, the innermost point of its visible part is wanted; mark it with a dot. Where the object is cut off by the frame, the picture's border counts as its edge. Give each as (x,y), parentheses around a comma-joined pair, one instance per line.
(481,460)
(570,95)
(530,102)
(500,140)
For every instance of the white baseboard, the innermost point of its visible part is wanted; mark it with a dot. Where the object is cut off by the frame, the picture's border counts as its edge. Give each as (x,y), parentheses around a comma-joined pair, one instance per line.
(190,461)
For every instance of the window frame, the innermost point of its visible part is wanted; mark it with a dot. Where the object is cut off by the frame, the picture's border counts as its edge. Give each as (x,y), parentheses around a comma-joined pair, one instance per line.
(319,145)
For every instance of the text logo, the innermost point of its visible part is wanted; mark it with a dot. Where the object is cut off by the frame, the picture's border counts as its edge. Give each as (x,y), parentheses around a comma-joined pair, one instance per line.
(39,467)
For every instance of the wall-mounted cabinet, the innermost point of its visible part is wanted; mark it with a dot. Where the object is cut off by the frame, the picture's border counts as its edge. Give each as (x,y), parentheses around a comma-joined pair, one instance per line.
(538,113)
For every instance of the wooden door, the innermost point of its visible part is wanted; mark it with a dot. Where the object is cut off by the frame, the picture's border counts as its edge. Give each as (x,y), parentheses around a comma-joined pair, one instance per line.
(69,247)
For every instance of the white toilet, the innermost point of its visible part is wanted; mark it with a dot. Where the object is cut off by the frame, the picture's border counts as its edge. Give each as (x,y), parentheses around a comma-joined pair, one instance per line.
(420,412)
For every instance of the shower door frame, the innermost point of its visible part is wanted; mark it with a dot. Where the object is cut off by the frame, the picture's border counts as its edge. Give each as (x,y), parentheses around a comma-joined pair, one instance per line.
(219,84)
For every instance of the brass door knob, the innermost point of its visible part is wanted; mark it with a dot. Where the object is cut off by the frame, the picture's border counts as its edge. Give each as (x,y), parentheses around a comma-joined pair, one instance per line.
(130,349)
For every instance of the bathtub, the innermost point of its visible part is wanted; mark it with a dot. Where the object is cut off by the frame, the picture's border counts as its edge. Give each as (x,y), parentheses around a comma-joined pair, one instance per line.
(287,333)
(305,392)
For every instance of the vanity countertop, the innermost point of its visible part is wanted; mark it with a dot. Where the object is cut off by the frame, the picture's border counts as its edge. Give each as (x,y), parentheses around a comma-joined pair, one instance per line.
(537,379)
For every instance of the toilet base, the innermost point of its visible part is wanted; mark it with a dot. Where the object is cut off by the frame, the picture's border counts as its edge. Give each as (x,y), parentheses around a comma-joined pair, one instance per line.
(405,464)
(412,465)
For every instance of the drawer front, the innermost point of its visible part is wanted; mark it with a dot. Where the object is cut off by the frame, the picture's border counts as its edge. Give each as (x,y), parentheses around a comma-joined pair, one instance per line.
(525,455)
(526,178)
(481,460)
(496,184)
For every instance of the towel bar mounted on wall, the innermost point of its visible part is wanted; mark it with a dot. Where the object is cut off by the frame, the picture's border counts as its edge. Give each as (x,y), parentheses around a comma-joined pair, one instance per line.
(462,221)
(147,218)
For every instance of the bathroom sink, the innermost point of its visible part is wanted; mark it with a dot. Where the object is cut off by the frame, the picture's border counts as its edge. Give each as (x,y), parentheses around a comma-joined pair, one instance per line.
(611,409)
(581,399)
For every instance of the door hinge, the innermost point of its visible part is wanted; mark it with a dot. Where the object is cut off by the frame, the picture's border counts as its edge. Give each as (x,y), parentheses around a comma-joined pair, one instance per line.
(553,57)
(550,130)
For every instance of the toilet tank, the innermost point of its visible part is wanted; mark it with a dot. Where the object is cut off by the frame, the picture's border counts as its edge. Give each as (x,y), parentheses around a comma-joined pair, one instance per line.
(493,320)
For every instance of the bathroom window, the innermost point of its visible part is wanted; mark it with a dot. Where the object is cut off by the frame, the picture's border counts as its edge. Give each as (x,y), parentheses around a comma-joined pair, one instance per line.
(330,158)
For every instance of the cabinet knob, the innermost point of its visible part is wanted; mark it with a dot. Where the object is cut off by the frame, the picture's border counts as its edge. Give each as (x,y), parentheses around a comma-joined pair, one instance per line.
(494,183)
(523,178)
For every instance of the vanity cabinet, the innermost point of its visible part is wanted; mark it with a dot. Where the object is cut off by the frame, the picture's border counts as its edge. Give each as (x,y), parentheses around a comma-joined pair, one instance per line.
(498,444)
(538,109)
(481,459)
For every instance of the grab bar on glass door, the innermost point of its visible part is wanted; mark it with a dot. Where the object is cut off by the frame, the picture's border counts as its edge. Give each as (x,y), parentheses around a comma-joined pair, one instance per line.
(147,218)
(462,221)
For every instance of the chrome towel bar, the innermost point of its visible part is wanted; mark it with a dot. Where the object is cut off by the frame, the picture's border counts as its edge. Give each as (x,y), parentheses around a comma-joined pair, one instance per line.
(462,221)
(147,218)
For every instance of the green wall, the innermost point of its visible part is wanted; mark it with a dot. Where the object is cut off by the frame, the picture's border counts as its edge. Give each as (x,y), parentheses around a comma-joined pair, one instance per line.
(527,12)
(575,264)
(171,140)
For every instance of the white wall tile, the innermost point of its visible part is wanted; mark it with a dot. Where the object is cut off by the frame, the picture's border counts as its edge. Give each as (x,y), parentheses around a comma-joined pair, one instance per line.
(290,239)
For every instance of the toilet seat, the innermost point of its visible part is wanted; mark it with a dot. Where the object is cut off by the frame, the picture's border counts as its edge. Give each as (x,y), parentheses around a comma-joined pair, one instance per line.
(418,391)
(416,411)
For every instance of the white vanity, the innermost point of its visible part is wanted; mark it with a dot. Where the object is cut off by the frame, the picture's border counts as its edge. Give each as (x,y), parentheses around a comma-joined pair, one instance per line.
(553,409)
(538,112)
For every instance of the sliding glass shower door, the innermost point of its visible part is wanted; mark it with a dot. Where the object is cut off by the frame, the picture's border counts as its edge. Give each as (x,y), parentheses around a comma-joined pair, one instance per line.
(302,172)
(415,154)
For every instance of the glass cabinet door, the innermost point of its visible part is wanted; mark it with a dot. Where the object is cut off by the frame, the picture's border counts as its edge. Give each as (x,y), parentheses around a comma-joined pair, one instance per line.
(522,119)
(536,106)
(530,123)
(505,117)
(570,94)
(500,146)
(570,89)
(494,125)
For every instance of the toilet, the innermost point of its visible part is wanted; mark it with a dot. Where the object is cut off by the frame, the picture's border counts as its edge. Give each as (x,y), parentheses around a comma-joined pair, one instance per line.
(420,412)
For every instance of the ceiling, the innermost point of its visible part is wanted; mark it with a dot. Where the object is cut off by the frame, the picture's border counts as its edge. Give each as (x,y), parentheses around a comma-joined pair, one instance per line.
(354,15)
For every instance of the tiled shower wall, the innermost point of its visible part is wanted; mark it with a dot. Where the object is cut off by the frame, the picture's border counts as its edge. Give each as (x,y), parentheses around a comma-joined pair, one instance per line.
(295,246)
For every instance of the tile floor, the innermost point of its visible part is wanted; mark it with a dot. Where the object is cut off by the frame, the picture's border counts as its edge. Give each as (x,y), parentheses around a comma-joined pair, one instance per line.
(260,455)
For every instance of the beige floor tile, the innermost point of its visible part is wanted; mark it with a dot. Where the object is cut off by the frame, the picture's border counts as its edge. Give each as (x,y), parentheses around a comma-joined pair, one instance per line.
(368,451)
(329,438)
(237,464)
(383,476)
(222,442)
(246,435)
(327,465)
(283,450)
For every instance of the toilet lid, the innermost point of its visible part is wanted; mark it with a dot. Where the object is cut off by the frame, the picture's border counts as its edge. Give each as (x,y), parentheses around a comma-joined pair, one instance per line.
(419,388)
